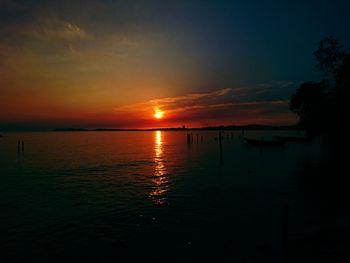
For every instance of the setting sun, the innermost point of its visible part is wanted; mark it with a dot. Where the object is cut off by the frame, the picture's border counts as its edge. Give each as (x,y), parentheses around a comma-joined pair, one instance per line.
(158,114)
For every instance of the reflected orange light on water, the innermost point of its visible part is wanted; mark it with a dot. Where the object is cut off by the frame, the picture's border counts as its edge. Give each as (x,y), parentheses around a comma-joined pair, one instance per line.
(160,180)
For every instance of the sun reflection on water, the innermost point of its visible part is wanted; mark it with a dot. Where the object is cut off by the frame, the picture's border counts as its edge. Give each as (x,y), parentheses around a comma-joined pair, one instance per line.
(160,180)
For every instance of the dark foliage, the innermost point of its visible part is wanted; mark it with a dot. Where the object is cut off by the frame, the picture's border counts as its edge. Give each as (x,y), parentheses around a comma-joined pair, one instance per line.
(329,56)
(322,106)
(308,102)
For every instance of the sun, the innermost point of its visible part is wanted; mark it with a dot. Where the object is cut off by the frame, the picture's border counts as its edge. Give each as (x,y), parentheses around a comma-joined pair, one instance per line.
(158,114)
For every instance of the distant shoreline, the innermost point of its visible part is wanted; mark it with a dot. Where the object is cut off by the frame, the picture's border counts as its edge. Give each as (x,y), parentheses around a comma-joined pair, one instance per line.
(212,128)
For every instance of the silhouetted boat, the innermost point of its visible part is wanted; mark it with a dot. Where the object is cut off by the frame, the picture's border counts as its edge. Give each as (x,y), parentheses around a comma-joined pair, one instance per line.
(263,143)
(293,138)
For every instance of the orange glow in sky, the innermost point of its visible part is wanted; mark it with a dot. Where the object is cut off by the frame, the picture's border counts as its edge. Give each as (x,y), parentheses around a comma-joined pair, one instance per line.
(59,70)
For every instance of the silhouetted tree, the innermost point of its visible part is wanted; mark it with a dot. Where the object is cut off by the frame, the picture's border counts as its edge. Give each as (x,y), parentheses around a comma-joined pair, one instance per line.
(343,77)
(323,106)
(329,56)
(308,102)
(340,95)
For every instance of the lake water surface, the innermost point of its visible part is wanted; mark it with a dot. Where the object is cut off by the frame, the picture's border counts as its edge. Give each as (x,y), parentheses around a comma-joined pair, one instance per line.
(109,196)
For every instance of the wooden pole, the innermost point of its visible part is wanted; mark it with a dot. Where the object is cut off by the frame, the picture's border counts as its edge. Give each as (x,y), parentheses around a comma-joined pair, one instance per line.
(285,233)
(220,145)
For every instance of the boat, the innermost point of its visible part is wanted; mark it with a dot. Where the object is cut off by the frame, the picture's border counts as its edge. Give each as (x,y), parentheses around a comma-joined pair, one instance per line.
(293,138)
(265,143)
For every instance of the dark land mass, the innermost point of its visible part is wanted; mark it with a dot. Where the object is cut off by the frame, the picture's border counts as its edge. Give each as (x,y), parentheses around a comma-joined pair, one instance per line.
(70,129)
(209,128)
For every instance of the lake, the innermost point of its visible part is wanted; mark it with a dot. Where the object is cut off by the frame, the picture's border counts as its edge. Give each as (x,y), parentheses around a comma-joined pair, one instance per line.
(109,196)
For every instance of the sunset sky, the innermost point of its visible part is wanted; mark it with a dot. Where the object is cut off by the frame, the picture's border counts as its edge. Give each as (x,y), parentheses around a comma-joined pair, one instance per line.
(113,64)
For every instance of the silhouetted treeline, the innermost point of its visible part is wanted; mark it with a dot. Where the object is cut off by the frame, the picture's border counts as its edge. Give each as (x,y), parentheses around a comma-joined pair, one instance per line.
(322,105)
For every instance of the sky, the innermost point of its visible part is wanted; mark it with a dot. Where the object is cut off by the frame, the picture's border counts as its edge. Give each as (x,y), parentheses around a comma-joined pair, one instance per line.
(113,64)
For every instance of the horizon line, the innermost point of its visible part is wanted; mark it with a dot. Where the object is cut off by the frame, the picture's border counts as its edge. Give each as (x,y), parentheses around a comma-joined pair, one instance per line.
(217,127)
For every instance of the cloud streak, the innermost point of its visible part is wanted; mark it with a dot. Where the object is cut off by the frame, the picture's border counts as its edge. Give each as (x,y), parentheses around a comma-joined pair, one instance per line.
(214,108)
(178,103)
(59,30)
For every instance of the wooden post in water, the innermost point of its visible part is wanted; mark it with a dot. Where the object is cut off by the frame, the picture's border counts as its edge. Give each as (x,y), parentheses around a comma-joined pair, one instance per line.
(197,137)
(220,145)
(285,234)
(22,146)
